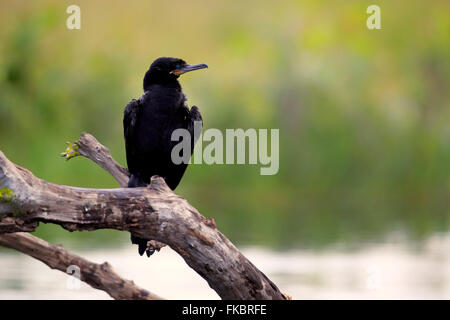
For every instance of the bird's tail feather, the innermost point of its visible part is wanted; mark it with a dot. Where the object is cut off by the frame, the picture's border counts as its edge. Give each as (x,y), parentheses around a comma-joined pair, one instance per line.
(135,182)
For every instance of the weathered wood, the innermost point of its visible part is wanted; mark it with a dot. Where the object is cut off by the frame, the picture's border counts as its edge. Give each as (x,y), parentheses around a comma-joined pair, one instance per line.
(99,276)
(152,213)
(89,147)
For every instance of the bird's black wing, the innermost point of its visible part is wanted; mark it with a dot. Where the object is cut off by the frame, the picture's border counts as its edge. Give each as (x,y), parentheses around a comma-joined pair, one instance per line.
(195,121)
(130,118)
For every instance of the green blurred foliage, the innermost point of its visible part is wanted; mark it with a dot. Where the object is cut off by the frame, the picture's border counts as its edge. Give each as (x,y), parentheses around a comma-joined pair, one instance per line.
(364,115)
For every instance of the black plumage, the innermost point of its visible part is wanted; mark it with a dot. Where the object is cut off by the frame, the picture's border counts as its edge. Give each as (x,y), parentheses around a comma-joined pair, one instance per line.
(148,125)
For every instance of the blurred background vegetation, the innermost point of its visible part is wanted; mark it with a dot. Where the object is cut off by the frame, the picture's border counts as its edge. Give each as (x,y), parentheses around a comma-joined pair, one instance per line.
(364,115)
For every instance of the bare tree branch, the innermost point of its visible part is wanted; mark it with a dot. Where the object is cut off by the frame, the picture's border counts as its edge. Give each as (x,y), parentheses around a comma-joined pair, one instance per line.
(90,148)
(151,213)
(98,276)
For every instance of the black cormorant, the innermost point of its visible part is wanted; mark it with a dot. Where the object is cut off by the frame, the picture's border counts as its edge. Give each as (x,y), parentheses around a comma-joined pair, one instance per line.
(148,124)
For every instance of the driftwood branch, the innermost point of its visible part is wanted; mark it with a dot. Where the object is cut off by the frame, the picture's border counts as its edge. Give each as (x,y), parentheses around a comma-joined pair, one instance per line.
(154,212)
(98,276)
(89,147)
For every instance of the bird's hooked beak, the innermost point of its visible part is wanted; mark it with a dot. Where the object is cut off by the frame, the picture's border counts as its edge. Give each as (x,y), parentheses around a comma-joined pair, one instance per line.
(187,68)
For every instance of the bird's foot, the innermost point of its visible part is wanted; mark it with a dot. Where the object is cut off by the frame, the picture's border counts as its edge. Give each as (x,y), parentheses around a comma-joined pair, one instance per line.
(147,246)
(149,252)
(71,151)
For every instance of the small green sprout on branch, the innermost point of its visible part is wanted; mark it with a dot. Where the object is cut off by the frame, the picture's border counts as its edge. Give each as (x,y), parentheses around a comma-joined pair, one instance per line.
(71,151)
(6,195)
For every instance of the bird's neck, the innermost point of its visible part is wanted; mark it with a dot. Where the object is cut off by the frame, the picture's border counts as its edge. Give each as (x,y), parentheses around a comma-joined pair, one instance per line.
(152,78)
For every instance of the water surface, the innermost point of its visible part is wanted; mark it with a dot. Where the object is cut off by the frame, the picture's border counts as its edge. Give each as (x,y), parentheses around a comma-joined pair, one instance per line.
(391,270)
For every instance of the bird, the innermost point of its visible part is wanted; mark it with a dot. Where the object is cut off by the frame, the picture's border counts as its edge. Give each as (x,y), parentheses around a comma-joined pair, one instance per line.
(149,122)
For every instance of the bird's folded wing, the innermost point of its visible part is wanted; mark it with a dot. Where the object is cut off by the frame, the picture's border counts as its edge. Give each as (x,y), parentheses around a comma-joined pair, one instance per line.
(130,118)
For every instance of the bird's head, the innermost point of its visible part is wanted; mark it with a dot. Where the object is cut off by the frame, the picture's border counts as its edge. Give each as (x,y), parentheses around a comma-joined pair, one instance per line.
(167,70)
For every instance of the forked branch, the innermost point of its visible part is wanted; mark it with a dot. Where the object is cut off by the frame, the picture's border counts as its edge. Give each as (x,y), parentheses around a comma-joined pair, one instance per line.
(99,276)
(154,212)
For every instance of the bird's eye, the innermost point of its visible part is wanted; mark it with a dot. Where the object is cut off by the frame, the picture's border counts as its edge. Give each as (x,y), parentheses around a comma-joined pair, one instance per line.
(178,66)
